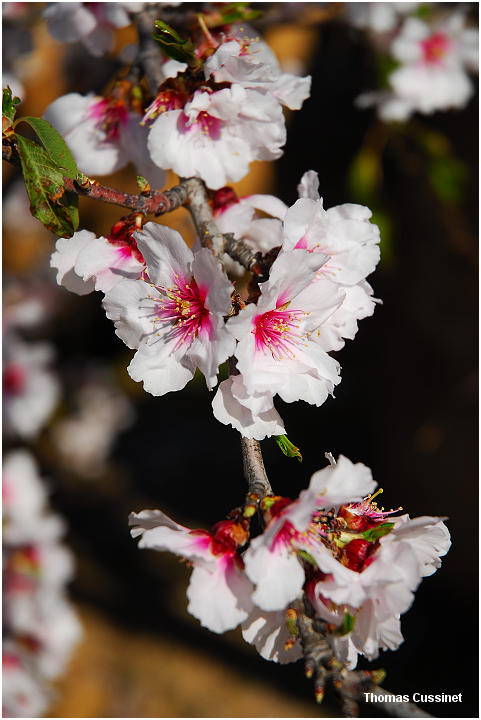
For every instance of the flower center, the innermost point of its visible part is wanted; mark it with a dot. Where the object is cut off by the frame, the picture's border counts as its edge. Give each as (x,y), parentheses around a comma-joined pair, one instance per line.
(168,99)
(435,47)
(277,331)
(111,114)
(121,235)
(209,125)
(183,306)
(14,380)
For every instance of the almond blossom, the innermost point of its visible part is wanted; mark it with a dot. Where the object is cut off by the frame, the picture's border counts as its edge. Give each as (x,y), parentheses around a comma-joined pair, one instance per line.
(86,262)
(243,58)
(103,133)
(30,389)
(219,592)
(350,557)
(432,75)
(254,219)
(176,320)
(91,23)
(345,234)
(216,135)
(40,626)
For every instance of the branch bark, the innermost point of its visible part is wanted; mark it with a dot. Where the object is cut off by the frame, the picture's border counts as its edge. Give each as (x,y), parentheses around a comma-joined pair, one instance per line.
(149,55)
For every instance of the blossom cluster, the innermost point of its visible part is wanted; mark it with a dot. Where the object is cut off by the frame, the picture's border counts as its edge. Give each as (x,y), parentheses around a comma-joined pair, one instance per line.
(210,122)
(171,304)
(40,626)
(356,564)
(431,56)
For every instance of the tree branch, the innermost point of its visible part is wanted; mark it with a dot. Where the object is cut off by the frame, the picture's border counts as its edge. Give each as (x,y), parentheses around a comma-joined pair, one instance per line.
(149,55)
(353,686)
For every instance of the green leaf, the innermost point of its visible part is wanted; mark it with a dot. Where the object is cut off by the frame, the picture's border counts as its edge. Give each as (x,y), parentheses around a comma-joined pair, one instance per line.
(54,145)
(8,104)
(287,447)
(374,534)
(174,46)
(50,202)
(386,65)
(347,625)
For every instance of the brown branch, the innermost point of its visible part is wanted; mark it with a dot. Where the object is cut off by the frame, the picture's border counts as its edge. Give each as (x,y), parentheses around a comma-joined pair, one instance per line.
(149,55)
(200,209)
(352,686)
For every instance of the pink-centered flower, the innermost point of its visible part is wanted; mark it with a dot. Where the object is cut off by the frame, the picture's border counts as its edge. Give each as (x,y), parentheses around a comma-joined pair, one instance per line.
(434,60)
(219,592)
(103,134)
(176,320)
(86,262)
(217,134)
(358,564)
(275,353)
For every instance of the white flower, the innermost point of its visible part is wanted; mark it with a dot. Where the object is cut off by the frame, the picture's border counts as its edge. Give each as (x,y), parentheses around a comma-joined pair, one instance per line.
(219,592)
(91,23)
(217,135)
(269,633)
(85,437)
(271,560)
(86,262)
(377,16)
(24,693)
(246,219)
(275,351)
(364,565)
(432,74)
(345,234)
(103,135)
(177,319)
(248,61)
(253,415)
(30,389)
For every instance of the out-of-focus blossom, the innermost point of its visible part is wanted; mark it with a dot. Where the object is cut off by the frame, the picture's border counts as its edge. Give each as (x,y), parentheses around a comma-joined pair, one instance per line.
(30,389)
(379,17)
(103,134)
(85,438)
(432,74)
(219,592)
(91,23)
(176,320)
(37,615)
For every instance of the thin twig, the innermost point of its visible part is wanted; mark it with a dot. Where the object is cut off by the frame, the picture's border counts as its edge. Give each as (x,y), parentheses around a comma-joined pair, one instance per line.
(200,209)
(149,55)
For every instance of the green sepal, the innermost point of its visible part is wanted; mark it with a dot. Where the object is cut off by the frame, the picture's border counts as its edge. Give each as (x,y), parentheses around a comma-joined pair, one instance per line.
(347,624)
(143,184)
(9,103)
(287,447)
(307,557)
(174,46)
(50,202)
(374,534)
(54,145)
